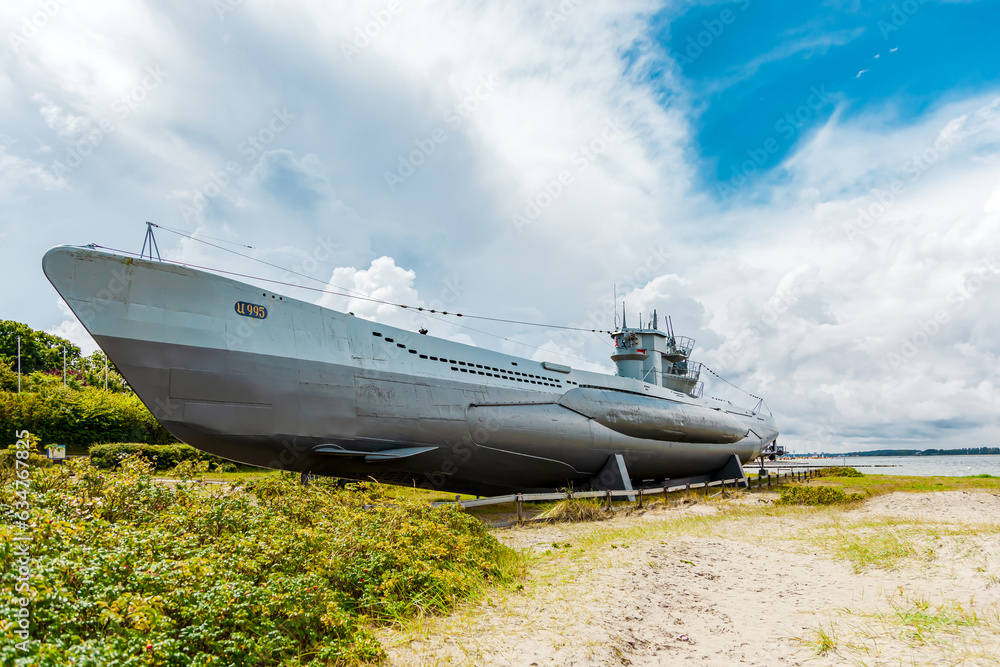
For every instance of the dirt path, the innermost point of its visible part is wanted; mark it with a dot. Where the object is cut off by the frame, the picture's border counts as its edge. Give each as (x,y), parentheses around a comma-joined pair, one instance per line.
(703,584)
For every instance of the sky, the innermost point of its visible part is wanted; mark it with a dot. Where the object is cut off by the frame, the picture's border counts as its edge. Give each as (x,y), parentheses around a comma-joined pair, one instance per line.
(811,190)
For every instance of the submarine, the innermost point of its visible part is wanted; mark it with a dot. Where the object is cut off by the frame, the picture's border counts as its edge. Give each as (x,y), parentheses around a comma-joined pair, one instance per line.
(261,378)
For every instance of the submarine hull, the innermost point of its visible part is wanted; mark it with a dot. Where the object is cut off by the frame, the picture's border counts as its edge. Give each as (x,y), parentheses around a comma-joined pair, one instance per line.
(263,379)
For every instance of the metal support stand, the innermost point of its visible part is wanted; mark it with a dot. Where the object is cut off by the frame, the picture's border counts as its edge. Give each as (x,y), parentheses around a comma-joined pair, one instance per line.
(614,476)
(151,240)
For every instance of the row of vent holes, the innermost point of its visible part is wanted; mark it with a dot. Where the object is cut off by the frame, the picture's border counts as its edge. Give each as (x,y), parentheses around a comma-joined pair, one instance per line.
(504,377)
(540,379)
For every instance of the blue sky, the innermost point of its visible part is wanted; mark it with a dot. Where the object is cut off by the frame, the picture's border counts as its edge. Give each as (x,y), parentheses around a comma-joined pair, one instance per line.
(750,64)
(415,151)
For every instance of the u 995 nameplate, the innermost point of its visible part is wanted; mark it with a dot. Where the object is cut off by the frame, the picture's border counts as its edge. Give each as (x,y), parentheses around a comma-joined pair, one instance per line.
(251,310)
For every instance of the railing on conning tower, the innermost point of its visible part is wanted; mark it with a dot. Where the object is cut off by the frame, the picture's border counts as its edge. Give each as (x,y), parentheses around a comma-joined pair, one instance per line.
(683,370)
(683,376)
(678,348)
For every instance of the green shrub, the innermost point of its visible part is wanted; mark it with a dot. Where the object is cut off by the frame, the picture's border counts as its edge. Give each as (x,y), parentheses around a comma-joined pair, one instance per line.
(128,571)
(816,495)
(840,472)
(163,457)
(79,417)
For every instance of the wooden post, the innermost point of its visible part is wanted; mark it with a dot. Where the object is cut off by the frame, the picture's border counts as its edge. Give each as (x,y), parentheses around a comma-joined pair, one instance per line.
(640,498)
(665,492)
(520,509)
(607,500)
(769,480)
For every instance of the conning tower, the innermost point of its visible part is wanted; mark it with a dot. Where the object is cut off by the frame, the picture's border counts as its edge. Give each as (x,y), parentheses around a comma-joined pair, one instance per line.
(657,357)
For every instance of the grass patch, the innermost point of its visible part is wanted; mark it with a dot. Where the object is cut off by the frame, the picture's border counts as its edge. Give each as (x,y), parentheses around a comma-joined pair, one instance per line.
(126,570)
(922,621)
(882,549)
(575,510)
(876,484)
(816,495)
(826,640)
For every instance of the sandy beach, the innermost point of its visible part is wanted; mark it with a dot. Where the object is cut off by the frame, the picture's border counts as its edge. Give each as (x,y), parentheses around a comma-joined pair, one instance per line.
(905,578)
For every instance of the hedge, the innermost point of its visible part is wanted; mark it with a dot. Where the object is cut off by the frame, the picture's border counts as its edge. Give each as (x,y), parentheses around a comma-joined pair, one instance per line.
(164,457)
(79,418)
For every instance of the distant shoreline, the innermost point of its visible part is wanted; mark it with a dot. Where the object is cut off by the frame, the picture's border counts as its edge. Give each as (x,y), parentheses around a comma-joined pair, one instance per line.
(971,451)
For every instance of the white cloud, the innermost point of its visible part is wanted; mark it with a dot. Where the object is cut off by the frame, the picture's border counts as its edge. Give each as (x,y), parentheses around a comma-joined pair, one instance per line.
(71,329)
(64,123)
(18,174)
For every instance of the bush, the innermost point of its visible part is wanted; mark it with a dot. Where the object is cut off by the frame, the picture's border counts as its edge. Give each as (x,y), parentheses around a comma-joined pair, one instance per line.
(163,457)
(840,472)
(816,495)
(34,460)
(128,571)
(79,417)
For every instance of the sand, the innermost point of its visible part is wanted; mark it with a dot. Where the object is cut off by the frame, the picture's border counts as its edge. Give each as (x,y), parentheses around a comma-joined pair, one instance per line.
(680,585)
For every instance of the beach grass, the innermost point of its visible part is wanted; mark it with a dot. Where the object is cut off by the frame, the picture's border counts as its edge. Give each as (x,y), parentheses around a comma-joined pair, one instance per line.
(879,484)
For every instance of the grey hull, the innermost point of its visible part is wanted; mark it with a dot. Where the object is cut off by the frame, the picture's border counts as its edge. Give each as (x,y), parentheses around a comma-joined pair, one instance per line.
(309,389)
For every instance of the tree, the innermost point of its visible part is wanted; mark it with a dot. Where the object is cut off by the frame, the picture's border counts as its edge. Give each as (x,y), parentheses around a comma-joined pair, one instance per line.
(8,377)
(92,372)
(40,351)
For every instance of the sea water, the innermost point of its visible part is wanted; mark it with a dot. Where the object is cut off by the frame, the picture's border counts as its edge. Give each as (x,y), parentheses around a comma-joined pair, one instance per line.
(921,466)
